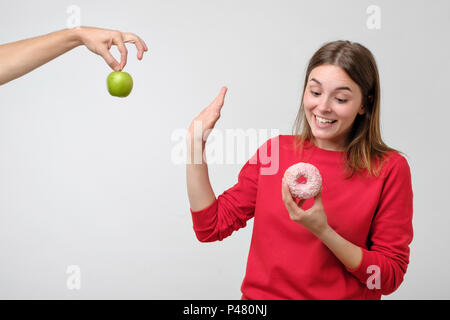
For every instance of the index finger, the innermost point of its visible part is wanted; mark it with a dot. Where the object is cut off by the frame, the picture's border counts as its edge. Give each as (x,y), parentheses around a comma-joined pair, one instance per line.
(288,199)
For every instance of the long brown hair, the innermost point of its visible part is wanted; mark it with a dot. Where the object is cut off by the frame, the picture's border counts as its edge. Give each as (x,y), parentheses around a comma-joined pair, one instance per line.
(365,149)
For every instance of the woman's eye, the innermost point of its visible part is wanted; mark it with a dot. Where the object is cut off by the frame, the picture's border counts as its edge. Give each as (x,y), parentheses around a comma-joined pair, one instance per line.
(316,94)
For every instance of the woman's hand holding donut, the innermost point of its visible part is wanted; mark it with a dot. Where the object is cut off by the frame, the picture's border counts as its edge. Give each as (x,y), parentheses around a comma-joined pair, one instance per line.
(203,124)
(314,219)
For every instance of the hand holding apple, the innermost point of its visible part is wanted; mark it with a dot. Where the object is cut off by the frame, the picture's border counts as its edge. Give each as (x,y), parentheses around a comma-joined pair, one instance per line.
(100,41)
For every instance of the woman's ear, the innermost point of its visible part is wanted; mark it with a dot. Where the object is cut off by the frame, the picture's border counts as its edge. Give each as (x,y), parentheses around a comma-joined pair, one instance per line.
(362,110)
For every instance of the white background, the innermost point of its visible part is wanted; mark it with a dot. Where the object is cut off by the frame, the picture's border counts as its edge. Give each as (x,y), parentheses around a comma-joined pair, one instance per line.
(87,179)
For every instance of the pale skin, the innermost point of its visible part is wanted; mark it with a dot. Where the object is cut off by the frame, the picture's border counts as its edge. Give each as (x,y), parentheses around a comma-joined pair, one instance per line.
(331,94)
(328,102)
(20,57)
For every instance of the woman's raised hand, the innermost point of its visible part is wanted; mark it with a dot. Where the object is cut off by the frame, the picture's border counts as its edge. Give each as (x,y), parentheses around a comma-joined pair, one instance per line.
(203,124)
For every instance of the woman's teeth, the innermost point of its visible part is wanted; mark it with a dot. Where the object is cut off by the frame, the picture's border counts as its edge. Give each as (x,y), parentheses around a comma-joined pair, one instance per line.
(322,120)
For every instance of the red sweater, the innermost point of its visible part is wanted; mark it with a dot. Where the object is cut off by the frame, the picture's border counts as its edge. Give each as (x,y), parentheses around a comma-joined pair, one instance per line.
(286,261)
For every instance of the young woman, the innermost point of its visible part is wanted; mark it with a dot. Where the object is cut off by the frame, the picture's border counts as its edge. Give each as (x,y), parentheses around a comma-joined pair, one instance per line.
(349,242)
(20,57)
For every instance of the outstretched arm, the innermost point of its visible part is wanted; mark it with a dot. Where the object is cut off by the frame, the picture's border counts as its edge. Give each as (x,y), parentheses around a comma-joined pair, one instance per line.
(21,57)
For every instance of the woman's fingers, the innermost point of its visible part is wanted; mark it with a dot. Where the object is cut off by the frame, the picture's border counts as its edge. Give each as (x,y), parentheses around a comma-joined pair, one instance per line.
(110,60)
(217,105)
(140,44)
(145,45)
(318,200)
(100,41)
(289,200)
(222,94)
(287,197)
(118,41)
(208,117)
(219,100)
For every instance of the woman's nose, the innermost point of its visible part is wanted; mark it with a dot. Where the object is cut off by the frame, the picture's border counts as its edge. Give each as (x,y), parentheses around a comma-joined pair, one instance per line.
(324,106)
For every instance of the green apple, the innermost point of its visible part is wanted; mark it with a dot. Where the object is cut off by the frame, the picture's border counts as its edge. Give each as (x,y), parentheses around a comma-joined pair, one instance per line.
(119,83)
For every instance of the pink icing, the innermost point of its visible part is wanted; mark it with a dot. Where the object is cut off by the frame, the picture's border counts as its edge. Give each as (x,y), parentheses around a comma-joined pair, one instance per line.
(304,190)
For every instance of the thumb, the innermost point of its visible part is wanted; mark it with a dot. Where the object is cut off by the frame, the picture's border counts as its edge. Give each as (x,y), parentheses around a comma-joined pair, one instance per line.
(318,197)
(110,60)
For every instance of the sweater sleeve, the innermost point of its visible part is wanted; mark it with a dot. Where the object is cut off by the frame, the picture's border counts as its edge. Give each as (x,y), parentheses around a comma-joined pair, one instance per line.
(384,263)
(231,210)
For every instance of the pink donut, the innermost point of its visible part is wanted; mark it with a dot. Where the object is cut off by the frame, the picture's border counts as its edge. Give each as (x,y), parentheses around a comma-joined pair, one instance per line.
(304,190)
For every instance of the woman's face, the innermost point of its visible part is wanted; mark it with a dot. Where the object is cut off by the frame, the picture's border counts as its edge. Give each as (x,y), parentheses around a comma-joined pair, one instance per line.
(331,95)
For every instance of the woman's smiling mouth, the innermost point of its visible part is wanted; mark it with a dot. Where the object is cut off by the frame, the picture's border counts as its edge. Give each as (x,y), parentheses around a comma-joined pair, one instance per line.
(323,123)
